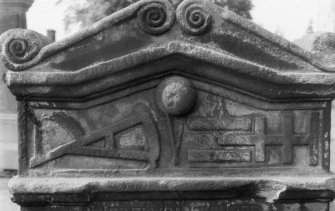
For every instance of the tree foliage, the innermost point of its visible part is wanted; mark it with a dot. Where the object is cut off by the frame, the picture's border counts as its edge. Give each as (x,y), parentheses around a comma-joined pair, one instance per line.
(241,7)
(82,13)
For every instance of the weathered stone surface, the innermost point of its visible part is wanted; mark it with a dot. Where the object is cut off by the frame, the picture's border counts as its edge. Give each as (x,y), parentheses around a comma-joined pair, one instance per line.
(12,15)
(172,106)
(196,205)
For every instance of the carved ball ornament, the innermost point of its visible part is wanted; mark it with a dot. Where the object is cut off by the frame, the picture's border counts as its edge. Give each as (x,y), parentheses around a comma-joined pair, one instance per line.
(176,95)
(156,18)
(193,18)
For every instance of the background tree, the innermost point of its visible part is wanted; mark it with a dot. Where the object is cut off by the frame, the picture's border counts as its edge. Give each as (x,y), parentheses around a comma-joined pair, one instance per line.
(82,13)
(241,7)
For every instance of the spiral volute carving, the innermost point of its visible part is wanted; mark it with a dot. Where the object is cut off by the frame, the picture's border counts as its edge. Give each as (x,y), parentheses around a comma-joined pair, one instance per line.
(19,51)
(156,18)
(194,18)
(19,47)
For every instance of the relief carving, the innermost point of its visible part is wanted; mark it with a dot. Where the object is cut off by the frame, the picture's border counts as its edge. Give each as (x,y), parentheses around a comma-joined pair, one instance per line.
(193,17)
(176,97)
(21,48)
(133,138)
(251,131)
(105,123)
(156,18)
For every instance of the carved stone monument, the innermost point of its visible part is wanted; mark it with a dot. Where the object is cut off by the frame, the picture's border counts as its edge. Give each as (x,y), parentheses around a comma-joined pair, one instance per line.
(170,106)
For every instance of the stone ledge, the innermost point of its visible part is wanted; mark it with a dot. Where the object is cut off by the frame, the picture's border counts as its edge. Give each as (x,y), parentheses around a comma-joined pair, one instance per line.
(171,57)
(25,185)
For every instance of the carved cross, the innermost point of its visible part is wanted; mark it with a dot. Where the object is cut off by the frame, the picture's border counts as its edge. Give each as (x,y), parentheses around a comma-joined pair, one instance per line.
(246,131)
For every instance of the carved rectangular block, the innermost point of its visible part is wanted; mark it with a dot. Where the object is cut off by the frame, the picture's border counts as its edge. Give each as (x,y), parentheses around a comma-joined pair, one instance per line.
(217,124)
(237,155)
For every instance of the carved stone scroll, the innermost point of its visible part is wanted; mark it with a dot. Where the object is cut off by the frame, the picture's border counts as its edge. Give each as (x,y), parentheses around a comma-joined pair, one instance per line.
(20,47)
(194,17)
(156,17)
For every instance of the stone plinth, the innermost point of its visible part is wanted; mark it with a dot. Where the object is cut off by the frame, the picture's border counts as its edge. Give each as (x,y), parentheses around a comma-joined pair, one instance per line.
(170,106)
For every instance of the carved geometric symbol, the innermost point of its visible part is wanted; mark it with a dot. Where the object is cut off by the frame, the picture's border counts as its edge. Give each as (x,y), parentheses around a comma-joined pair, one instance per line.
(236,155)
(140,118)
(246,131)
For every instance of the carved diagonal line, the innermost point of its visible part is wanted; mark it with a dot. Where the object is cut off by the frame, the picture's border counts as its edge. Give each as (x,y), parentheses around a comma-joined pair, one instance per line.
(141,115)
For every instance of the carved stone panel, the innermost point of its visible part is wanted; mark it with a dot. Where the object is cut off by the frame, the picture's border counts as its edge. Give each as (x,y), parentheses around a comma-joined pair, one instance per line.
(252,138)
(178,124)
(171,105)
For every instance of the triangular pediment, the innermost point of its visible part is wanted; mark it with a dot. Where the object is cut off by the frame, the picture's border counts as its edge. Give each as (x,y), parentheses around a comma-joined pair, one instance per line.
(171,100)
(153,38)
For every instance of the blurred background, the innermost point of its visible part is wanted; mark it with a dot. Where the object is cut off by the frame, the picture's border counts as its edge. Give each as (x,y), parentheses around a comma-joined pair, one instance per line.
(291,19)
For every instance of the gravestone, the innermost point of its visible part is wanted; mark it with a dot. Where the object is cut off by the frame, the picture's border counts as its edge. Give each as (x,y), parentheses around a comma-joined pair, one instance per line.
(178,105)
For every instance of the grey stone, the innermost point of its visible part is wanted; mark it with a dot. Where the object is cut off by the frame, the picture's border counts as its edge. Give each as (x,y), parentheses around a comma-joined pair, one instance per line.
(12,15)
(170,106)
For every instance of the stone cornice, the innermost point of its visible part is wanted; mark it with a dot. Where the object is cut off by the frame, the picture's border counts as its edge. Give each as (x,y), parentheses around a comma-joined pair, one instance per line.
(150,31)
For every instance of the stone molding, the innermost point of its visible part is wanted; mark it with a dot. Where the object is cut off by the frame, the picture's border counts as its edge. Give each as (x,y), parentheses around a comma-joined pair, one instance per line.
(289,188)
(182,12)
(24,49)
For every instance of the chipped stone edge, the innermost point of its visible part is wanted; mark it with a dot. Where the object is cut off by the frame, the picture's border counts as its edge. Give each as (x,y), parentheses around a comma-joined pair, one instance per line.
(269,188)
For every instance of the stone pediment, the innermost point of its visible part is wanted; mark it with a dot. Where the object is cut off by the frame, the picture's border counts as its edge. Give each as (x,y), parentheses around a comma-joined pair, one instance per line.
(152,39)
(171,101)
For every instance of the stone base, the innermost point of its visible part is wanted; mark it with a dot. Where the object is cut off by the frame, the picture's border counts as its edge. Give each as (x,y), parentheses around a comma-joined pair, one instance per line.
(175,193)
(188,205)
